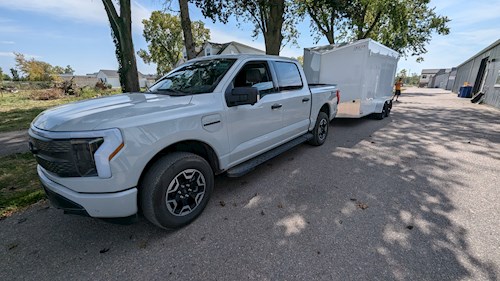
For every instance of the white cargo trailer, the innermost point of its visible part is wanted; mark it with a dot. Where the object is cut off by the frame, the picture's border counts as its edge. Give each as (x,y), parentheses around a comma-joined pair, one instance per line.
(364,72)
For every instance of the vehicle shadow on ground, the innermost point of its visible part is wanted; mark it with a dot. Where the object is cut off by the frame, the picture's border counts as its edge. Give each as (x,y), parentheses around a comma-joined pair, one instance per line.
(372,202)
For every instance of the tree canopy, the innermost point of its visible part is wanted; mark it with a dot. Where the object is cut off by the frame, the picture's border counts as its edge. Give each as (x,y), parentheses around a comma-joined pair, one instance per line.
(274,19)
(164,35)
(35,70)
(406,26)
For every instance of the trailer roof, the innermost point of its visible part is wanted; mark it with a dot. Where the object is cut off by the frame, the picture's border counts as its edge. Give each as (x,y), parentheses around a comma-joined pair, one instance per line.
(371,45)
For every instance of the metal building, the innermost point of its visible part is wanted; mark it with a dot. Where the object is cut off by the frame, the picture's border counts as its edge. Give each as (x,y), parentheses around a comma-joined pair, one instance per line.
(482,71)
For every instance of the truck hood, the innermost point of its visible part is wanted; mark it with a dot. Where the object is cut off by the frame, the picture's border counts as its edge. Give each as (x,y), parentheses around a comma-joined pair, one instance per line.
(97,113)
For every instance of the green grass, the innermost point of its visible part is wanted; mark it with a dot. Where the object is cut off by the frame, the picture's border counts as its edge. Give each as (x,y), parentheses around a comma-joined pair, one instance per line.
(19,185)
(17,110)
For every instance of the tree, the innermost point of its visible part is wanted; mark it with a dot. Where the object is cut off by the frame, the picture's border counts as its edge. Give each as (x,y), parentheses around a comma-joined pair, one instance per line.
(121,30)
(273,19)
(403,25)
(63,70)
(15,74)
(1,74)
(186,29)
(326,16)
(34,70)
(164,35)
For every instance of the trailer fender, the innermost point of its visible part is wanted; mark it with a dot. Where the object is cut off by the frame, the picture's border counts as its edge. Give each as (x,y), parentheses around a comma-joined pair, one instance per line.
(379,105)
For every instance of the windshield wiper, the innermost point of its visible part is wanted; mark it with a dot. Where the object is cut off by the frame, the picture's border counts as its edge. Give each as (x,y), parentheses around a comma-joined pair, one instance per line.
(172,92)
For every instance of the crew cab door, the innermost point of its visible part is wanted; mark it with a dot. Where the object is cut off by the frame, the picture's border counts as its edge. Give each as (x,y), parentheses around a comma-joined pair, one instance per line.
(252,129)
(296,98)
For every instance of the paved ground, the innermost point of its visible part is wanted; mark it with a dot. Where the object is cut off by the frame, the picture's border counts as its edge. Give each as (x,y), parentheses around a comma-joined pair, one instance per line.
(412,197)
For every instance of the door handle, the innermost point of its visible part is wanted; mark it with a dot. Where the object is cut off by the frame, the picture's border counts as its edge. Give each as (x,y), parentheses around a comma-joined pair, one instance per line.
(305,99)
(276,106)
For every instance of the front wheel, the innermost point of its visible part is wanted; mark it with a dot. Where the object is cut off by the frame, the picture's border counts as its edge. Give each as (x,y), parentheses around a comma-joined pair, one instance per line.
(176,189)
(320,130)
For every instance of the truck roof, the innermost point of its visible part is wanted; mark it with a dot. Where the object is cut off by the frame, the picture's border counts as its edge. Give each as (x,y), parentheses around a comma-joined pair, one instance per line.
(242,56)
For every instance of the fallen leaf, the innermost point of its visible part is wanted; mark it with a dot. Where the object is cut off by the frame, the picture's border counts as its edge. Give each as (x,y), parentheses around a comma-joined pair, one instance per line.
(361,205)
(202,239)
(280,206)
(102,251)
(222,203)
(353,199)
(12,246)
(143,244)
(410,227)
(22,220)
(262,213)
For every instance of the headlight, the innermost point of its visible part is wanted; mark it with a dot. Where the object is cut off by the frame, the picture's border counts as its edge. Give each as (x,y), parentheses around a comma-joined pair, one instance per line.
(83,155)
(76,154)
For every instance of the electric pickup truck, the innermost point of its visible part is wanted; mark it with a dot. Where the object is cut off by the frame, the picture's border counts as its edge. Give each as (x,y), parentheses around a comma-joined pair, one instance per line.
(158,151)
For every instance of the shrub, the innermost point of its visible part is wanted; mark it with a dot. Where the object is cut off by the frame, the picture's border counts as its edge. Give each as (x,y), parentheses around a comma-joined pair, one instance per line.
(47,94)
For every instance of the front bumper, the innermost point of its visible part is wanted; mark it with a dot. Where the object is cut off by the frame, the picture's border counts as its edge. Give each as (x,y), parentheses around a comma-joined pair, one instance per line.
(99,205)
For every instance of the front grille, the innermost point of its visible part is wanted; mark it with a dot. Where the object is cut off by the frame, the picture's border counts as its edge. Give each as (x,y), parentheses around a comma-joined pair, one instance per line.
(63,157)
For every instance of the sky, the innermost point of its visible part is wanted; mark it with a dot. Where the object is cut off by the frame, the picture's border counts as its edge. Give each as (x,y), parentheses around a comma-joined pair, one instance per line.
(77,33)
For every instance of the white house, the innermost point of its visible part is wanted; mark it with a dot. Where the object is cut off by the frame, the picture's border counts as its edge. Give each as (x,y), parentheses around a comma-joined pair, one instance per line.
(111,77)
(211,49)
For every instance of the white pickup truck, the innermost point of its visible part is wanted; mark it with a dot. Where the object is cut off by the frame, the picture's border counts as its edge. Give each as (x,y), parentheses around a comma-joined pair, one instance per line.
(158,151)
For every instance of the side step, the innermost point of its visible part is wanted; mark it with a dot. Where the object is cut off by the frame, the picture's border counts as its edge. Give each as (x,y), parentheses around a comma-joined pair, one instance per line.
(248,166)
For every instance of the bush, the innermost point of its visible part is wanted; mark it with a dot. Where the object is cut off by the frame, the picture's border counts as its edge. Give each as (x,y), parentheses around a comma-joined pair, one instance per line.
(47,94)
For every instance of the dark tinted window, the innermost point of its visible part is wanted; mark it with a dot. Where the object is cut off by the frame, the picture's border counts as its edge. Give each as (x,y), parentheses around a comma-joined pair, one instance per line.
(288,75)
(255,74)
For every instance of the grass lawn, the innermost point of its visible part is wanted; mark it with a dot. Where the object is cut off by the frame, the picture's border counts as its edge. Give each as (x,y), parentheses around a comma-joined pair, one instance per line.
(19,185)
(17,110)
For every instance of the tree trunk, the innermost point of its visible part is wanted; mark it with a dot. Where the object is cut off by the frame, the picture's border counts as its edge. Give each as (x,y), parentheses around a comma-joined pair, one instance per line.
(186,29)
(273,35)
(121,27)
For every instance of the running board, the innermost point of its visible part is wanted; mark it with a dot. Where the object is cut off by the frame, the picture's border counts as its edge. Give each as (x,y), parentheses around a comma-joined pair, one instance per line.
(248,166)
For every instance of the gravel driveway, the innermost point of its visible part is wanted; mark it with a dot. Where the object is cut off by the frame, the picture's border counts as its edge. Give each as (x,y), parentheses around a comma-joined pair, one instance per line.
(412,197)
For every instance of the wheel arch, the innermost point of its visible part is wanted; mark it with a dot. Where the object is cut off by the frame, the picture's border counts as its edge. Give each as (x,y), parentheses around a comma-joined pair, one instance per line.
(197,147)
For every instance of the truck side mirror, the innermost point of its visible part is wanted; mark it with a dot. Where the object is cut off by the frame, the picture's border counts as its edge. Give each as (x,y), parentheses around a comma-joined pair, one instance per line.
(242,95)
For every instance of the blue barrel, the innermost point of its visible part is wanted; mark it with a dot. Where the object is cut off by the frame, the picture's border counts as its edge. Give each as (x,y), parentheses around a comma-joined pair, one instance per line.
(465,92)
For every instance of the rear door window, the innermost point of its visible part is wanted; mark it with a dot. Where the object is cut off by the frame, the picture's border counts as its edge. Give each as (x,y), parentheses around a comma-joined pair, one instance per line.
(288,75)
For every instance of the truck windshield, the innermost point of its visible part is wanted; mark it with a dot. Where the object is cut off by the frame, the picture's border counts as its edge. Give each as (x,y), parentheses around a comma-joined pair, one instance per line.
(195,78)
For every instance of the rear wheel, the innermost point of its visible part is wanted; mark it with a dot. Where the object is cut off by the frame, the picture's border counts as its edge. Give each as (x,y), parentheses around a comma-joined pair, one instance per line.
(176,189)
(388,108)
(384,113)
(320,131)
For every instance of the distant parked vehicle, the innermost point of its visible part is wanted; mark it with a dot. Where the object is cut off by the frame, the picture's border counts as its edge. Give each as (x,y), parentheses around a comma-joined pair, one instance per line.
(364,70)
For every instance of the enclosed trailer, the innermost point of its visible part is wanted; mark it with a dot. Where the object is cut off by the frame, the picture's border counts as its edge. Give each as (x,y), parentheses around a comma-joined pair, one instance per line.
(364,71)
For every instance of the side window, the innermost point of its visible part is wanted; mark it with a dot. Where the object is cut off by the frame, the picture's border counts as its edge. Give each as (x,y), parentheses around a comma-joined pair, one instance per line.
(288,76)
(255,74)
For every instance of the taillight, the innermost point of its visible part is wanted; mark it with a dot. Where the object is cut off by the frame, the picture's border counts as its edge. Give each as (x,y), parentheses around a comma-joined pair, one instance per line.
(338,96)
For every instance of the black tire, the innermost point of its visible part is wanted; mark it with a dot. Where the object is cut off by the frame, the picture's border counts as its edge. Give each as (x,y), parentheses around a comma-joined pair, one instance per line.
(388,108)
(381,115)
(192,182)
(320,131)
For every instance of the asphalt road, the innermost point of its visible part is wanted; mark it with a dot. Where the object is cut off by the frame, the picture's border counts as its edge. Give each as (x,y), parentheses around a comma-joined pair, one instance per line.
(412,197)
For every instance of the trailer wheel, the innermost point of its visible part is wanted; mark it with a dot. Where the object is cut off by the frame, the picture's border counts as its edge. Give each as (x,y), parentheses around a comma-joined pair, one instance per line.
(381,115)
(388,109)
(176,189)
(320,130)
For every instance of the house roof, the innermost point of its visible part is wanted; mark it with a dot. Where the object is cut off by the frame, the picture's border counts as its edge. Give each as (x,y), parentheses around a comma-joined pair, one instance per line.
(114,73)
(431,71)
(223,46)
(109,73)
